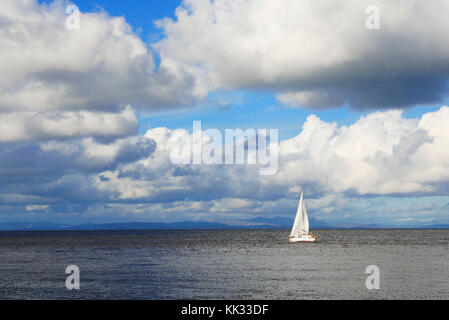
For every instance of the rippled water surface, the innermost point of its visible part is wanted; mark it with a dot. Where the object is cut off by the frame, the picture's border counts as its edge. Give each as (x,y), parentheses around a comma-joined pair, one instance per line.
(224,264)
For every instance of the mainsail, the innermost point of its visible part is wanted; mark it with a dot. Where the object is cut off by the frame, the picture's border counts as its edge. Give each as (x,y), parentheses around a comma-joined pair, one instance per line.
(301,224)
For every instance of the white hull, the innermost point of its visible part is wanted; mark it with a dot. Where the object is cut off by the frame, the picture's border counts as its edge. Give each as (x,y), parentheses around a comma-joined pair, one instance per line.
(303,238)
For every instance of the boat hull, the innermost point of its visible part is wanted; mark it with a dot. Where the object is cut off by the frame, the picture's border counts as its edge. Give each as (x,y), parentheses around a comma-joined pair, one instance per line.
(303,238)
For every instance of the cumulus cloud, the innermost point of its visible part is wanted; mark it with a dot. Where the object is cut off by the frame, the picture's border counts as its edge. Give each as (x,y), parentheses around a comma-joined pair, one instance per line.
(316,99)
(381,154)
(316,55)
(20,126)
(36,207)
(56,171)
(101,66)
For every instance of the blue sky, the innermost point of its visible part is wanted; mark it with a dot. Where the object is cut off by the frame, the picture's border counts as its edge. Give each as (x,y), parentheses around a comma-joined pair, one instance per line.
(88,118)
(139,14)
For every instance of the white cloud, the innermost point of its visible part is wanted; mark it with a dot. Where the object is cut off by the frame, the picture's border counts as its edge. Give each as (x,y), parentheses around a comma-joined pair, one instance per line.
(64,170)
(102,66)
(36,207)
(316,99)
(315,54)
(15,126)
(382,153)
(90,154)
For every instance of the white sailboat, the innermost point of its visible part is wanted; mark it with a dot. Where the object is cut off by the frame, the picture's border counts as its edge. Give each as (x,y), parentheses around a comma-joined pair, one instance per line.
(300,230)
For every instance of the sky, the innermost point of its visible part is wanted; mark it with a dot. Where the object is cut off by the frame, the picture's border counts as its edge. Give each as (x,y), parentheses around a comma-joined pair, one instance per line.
(89,116)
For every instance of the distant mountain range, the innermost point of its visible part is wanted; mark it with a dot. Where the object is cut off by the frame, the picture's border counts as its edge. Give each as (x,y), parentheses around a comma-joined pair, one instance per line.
(255,223)
(112,226)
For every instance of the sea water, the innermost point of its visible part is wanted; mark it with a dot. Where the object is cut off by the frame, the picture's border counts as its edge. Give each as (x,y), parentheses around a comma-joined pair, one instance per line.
(224,264)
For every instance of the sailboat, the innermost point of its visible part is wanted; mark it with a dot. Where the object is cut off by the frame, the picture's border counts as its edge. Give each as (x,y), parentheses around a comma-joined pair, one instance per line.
(300,230)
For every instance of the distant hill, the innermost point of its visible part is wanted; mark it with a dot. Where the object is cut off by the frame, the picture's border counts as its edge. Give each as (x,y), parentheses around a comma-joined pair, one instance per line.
(41,225)
(254,223)
(283,222)
(112,226)
(437,226)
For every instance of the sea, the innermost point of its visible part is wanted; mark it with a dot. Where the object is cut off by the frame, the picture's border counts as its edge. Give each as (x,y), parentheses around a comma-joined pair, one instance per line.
(225,264)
